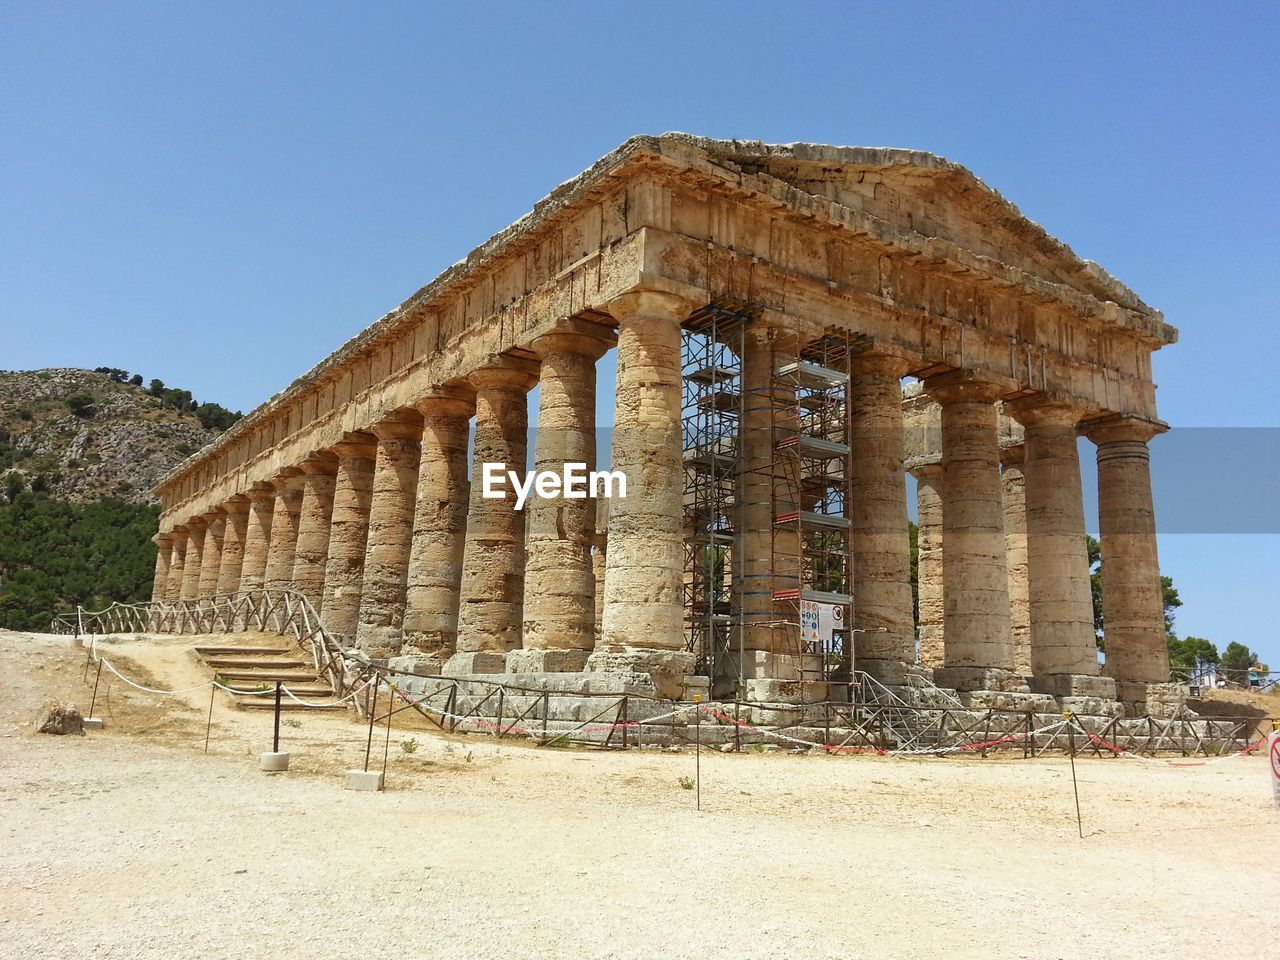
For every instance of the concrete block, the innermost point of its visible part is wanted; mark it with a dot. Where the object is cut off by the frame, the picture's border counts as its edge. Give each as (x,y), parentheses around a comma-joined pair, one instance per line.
(419,666)
(1074,685)
(92,723)
(547,661)
(468,664)
(274,762)
(367,780)
(980,678)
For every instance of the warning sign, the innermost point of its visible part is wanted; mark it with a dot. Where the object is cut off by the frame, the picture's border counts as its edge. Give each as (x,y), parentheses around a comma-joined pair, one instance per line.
(818,621)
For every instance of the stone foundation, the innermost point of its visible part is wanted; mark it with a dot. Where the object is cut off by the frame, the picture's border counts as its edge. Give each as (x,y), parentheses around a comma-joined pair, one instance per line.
(980,678)
(1074,685)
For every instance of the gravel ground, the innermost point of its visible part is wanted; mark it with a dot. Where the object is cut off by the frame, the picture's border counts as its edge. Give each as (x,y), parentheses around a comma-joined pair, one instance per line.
(131,842)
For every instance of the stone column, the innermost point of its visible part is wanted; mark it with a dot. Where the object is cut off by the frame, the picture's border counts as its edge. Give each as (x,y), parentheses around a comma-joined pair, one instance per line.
(975,577)
(257,539)
(1013,484)
(177,563)
(880,546)
(314,516)
(348,535)
(386,558)
(643,629)
(164,554)
(233,543)
(559,605)
(215,522)
(491,608)
(284,530)
(1064,658)
(439,528)
(599,555)
(196,529)
(928,474)
(770,553)
(1132,601)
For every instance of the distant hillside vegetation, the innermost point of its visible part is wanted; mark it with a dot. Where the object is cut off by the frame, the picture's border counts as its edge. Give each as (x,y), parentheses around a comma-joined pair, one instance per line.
(80,451)
(85,435)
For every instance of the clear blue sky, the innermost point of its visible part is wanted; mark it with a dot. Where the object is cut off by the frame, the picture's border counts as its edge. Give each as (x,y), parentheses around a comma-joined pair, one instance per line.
(219,195)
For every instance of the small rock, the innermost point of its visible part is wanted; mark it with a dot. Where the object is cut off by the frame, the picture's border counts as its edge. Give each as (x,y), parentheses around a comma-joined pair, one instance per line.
(59,717)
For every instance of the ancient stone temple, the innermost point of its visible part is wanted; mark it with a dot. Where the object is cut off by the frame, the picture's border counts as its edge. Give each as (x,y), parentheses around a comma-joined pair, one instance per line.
(766,305)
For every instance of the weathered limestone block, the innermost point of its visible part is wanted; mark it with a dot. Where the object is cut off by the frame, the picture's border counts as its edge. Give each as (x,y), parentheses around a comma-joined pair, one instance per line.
(644,608)
(975,578)
(257,541)
(492,595)
(233,543)
(177,563)
(1132,607)
(348,534)
(196,530)
(559,598)
(879,543)
(59,717)
(390,538)
(1013,486)
(440,524)
(314,517)
(211,561)
(164,556)
(284,530)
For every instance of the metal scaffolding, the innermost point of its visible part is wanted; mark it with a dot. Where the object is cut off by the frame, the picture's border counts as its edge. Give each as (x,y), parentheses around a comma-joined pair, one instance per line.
(810,488)
(710,419)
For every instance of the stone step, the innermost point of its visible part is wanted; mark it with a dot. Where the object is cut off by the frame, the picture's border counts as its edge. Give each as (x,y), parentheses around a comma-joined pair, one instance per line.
(246,663)
(286,676)
(269,703)
(243,651)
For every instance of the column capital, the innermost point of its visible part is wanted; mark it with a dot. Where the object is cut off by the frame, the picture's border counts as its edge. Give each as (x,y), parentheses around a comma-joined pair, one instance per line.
(178,531)
(162,539)
(1122,427)
(216,515)
(237,504)
(449,400)
(261,492)
(402,424)
(921,467)
(287,479)
(649,303)
(320,463)
(1013,453)
(1042,410)
(505,370)
(877,358)
(577,337)
(196,524)
(967,386)
(356,446)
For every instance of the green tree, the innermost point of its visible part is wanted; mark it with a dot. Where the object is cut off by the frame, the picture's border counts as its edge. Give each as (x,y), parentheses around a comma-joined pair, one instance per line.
(80,404)
(14,484)
(1188,657)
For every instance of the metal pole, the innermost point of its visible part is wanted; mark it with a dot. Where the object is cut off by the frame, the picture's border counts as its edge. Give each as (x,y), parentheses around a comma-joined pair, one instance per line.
(275,742)
(96,678)
(386,746)
(697,750)
(373,710)
(1071,738)
(209,725)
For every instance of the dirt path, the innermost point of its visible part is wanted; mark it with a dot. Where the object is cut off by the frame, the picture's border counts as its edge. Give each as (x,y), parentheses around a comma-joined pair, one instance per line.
(130,842)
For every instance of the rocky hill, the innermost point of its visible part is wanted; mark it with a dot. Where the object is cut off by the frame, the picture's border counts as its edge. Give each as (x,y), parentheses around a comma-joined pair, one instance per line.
(81,436)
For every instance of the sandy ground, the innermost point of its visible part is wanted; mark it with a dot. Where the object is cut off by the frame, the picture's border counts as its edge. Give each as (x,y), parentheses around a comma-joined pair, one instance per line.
(131,842)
